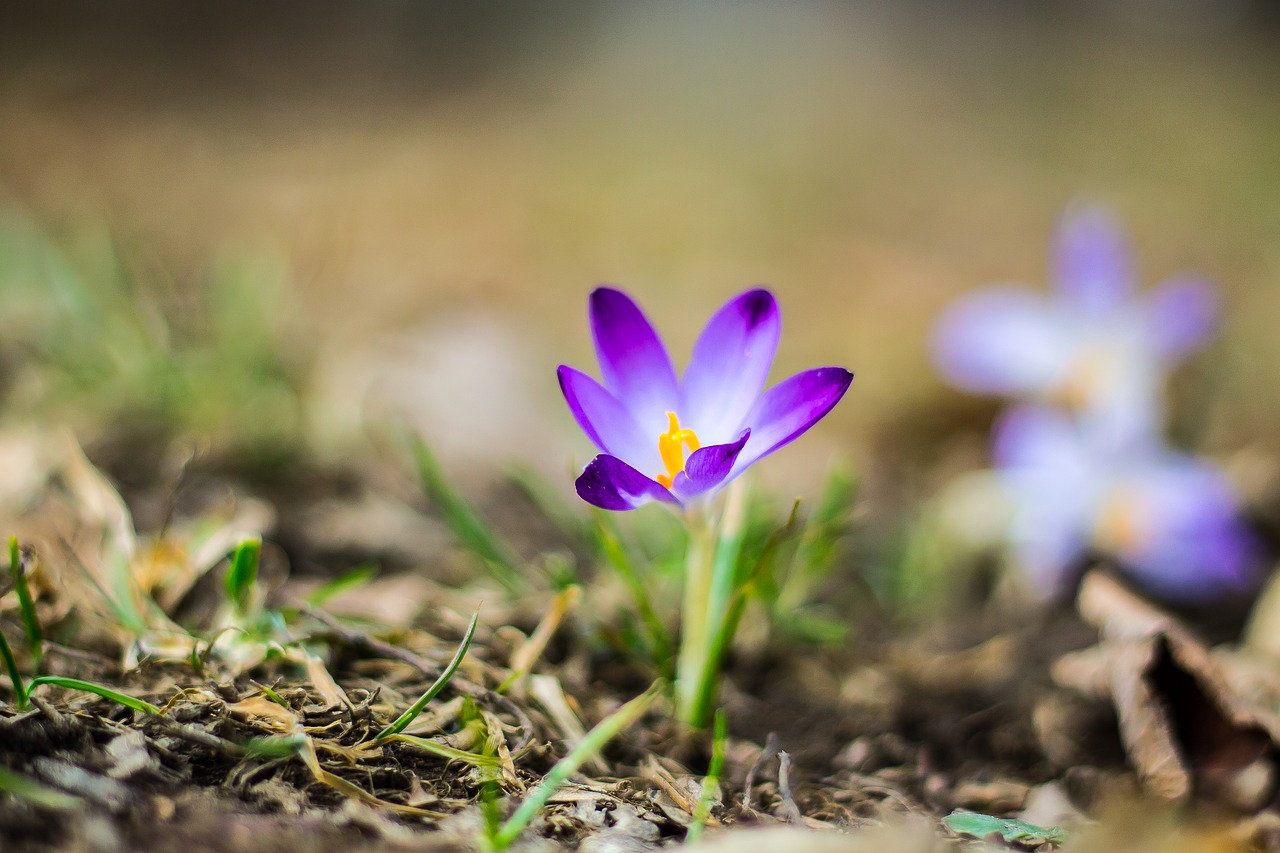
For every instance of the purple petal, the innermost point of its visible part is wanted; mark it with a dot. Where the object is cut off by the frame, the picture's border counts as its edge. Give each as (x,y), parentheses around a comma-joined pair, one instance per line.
(1002,340)
(789,408)
(708,467)
(1177,527)
(606,421)
(1037,438)
(610,483)
(730,364)
(1092,262)
(1047,538)
(1046,466)
(635,364)
(1182,314)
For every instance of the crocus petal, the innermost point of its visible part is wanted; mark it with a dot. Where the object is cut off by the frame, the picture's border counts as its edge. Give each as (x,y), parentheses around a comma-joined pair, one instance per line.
(1047,539)
(635,364)
(610,483)
(708,467)
(1092,261)
(1181,315)
(1004,339)
(789,408)
(730,364)
(606,421)
(1045,466)
(1038,438)
(1187,541)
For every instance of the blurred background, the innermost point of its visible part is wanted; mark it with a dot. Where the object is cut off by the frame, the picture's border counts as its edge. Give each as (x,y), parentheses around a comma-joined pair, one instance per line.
(264,227)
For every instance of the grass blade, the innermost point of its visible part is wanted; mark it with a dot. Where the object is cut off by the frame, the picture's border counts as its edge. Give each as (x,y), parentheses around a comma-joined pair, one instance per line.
(354,579)
(604,731)
(470,529)
(274,746)
(96,689)
(449,753)
(244,571)
(19,686)
(610,544)
(408,716)
(711,783)
(34,792)
(35,638)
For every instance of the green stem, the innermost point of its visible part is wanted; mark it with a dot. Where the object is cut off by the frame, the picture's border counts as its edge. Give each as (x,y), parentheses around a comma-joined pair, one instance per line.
(711,783)
(696,630)
(731,531)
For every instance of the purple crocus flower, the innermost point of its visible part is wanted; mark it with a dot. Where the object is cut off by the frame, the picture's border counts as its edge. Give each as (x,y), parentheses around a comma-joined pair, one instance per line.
(1172,521)
(1093,343)
(674,440)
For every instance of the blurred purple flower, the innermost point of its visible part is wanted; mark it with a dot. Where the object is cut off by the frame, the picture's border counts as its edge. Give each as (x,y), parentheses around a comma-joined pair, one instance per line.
(1093,343)
(1170,520)
(645,420)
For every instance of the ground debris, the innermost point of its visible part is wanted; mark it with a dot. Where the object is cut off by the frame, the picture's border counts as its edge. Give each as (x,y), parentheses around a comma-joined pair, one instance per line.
(1185,728)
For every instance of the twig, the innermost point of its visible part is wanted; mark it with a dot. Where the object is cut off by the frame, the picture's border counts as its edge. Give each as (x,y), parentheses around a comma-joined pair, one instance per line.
(78,654)
(201,738)
(770,749)
(50,713)
(784,789)
(360,640)
(876,785)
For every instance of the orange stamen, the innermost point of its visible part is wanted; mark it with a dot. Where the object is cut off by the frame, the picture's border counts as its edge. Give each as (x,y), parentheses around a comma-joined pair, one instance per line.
(671,448)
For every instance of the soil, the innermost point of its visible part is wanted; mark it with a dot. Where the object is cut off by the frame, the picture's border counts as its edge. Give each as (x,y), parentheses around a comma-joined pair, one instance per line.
(901,722)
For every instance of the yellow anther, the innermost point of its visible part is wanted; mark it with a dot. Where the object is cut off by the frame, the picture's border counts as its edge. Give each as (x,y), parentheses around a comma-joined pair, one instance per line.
(671,448)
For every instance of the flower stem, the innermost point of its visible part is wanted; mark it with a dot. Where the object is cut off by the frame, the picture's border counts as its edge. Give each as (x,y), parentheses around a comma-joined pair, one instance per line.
(696,629)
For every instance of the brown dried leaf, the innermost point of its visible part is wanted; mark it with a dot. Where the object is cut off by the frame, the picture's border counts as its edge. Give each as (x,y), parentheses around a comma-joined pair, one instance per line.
(1185,730)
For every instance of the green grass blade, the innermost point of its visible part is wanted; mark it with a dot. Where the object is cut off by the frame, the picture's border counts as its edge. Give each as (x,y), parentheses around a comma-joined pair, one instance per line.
(610,544)
(35,638)
(838,495)
(34,792)
(96,689)
(244,571)
(476,535)
(604,731)
(19,686)
(445,751)
(275,746)
(710,784)
(353,579)
(410,715)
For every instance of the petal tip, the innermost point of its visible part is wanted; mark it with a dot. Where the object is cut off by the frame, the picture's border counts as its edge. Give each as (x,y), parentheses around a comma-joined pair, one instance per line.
(757,306)
(609,483)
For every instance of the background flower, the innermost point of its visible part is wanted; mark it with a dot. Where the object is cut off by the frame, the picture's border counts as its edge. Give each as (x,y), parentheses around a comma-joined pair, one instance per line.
(1094,343)
(1171,520)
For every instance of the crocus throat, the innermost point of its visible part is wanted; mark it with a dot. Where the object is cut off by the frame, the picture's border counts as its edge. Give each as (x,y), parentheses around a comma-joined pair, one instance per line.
(1084,376)
(671,450)
(1123,523)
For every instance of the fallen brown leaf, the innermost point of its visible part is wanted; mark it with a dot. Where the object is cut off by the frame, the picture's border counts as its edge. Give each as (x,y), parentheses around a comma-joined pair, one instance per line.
(1186,731)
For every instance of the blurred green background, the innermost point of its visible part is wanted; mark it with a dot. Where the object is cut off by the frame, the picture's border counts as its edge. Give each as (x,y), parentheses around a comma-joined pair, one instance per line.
(265,225)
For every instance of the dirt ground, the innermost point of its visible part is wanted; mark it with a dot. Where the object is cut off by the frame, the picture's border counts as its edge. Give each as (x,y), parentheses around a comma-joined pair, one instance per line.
(981,710)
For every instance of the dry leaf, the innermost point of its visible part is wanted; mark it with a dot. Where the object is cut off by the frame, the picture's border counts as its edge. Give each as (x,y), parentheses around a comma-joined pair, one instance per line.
(1186,732)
